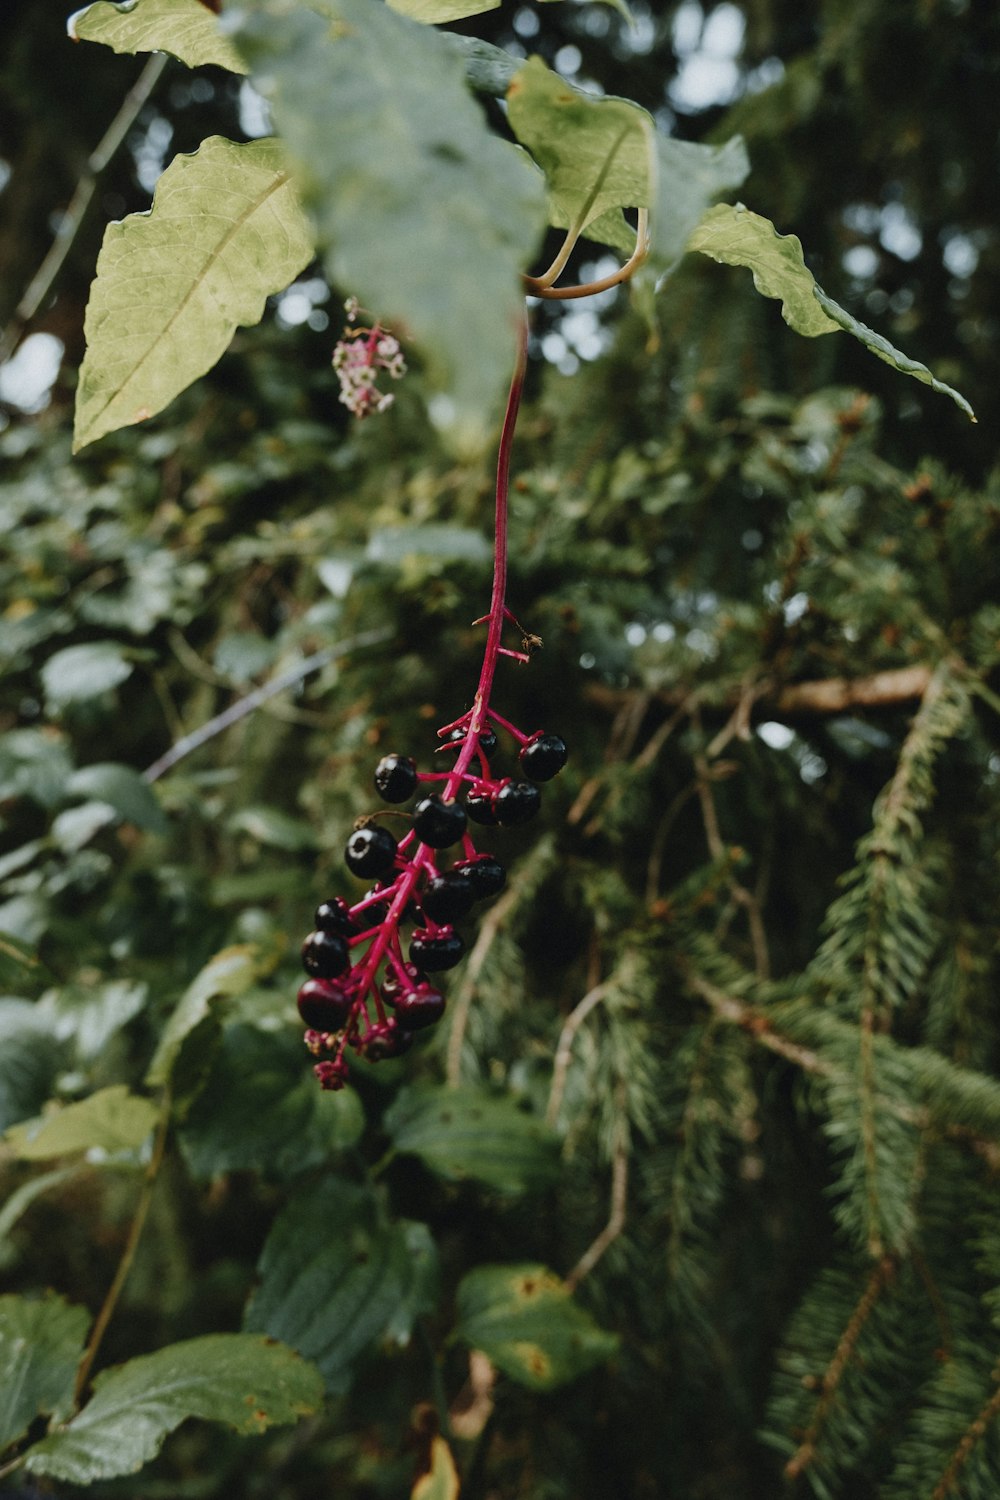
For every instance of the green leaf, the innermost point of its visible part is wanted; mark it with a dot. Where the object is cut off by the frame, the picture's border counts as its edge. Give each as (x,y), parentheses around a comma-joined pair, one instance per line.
(89,1015)
(34,763)
(111,1120)
(244,1382)
(462,1133)
(28,1061)
(523,1317)
(79,673)
(225,232)
(732,235)
(186,29)
(334,1278)
(261,1110)
(601,155)
(423,213)
(269,825)
(435,11)
(41,1342)
(488,69)
(441,1480)
(21,1199)
(132,798)
(229,973)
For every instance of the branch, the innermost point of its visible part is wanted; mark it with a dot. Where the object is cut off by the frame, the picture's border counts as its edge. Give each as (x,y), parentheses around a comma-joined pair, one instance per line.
(619,1198)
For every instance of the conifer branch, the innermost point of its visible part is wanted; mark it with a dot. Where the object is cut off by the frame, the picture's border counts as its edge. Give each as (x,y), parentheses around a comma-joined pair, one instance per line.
(619,1197)
(804,1455)
(973,1434)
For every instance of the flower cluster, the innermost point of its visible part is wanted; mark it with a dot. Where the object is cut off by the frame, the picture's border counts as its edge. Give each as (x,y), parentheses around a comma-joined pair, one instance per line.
(369,988)
(360,357)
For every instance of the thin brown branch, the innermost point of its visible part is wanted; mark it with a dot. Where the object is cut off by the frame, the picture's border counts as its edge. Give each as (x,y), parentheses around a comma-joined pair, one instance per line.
(564,1047)
(619,1198)
(804,1455)
(973,1434)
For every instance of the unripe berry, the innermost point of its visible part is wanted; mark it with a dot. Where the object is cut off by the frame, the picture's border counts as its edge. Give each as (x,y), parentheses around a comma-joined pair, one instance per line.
(516,802)
(543,756)
(324,1004)
(371,850)
(388,1039)
(396,778)
(325,955)
(420,1007)
(448,897)
(332,1073)
(487,740)
(435,951)
(438,823)
(485,872)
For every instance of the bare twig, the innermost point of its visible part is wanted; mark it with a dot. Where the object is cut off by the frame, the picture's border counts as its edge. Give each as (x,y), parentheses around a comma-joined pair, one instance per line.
(244,706)
(619,1198)
(69,224)
(564,1048)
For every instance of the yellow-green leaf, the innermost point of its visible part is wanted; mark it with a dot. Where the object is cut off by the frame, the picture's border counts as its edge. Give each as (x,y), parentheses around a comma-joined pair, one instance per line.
(225,231)
(186,29)
(436,11)
(441,1480)
(110,1120)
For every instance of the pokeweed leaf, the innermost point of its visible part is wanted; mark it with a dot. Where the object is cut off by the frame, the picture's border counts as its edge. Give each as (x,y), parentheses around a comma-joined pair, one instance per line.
(524,1318)
(111,1120)
(41,1342)
(437,11)
(230,972)
(462,1133)
(601,155)
(225,232)
(441,1479)
(77,673)
(186,29)
(423,213)
(29,1061)
(734,236)
(245,1382)
(335,1278)
(132,798)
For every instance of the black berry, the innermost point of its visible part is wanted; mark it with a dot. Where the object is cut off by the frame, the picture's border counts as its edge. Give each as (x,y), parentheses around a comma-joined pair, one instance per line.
(393,986)
(516,802)
(375,915)
(420,1007)
(396,778)
(487,740)
(448,897)
(479,806)
(324,1005)
(371,850)
(435,951)
(325,955)
(438,823)
(486,874)
(388,1039)
(543,757)
(335,916)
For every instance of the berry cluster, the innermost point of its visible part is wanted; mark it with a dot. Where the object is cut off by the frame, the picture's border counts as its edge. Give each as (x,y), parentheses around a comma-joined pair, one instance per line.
(364,990)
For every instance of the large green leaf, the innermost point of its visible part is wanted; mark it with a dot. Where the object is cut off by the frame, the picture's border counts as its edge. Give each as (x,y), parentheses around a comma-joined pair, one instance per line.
(225,232)
(80,672)
(111,1120)
(29,1059)
(462,1133)
(245,1382)
(89,1015)
(41,1342)
(601,155)
(123,789)
(423,213)
(436,11)
(731,234)
(334,1278)
(261,1110)
(34,763)
(186,29)
(229,973)
(525,1319)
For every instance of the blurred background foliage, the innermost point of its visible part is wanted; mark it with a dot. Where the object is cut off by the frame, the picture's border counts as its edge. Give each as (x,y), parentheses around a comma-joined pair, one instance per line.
(786,1080)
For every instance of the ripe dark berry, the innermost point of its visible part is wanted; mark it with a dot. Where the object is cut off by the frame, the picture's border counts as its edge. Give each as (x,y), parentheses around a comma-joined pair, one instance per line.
(324,1004)
(393,986)
(487,740)
(371,850)
(479,806)
(396,778)
(438,823)
(543,757)
(448,897)
(335,916)
(388,1039)
(486,874)
(435,951)
(516,802)
(325,955)
(420,1007)
(375,915)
